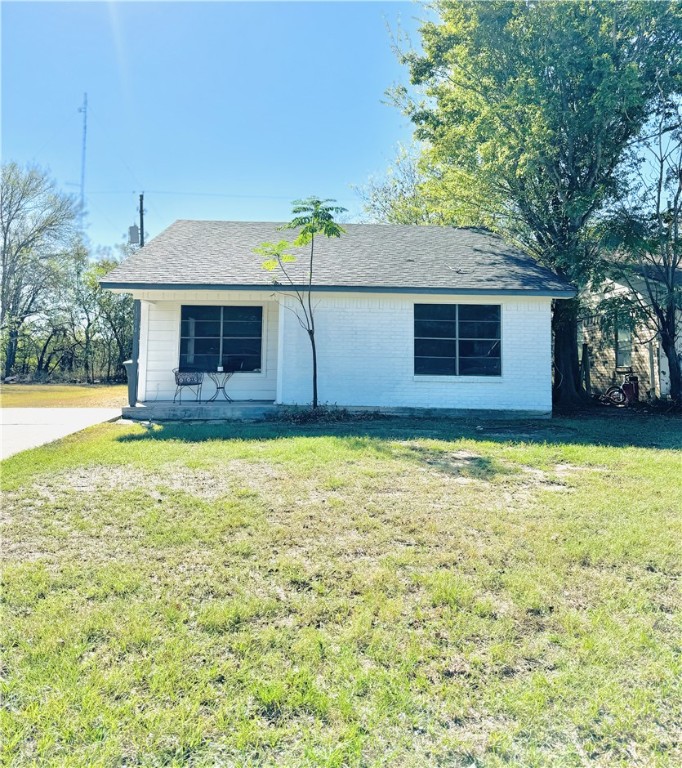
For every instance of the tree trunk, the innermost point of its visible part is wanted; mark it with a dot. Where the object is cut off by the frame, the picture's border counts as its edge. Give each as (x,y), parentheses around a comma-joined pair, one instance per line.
(311,335)
(668,345)
(567,392)
(86,357)
(11,351)
(40,366)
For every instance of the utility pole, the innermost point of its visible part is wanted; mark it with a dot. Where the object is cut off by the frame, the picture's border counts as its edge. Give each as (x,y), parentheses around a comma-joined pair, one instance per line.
(84,110)
(142,220)
(132,365)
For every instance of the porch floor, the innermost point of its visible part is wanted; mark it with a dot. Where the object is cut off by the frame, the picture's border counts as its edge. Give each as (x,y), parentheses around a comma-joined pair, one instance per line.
(254,410)
(167,410)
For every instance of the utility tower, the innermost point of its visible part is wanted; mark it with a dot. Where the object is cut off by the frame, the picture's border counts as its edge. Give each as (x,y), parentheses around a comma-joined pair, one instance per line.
(84,110)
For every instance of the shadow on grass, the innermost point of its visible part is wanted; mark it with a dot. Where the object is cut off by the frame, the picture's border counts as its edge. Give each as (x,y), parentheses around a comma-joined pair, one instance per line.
(625,429)
(458,464)
(398,441)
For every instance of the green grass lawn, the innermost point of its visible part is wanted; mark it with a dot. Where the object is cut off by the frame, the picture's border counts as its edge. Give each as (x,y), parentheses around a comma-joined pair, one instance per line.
(396,593)
(63,395)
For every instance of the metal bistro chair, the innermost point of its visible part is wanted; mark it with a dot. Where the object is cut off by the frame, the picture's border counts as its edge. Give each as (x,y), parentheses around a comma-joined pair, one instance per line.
(190,379)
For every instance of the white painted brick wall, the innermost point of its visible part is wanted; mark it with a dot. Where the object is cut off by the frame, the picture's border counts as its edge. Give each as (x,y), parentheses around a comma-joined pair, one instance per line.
(365,351)
(365,348)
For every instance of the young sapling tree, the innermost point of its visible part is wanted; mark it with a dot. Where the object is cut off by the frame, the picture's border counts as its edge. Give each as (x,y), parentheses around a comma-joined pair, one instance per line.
(312,216)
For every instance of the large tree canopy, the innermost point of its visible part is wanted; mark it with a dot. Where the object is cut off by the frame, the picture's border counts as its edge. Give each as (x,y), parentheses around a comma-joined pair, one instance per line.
(528,109)
(54,318)
(37,226)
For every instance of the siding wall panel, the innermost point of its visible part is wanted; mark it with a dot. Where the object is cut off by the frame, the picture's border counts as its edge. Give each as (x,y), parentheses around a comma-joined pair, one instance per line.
(161,329)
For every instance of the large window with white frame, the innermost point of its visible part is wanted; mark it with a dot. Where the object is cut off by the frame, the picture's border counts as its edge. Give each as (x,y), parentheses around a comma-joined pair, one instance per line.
(230,337)
(457,340)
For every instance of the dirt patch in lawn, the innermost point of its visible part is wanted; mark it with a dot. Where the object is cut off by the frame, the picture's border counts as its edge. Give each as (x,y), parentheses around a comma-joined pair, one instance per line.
(196,482)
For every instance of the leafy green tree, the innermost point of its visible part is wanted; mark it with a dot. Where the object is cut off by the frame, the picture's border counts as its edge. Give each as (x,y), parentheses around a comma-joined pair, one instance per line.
(115,313)
(312,217)
(52,330)
(644,236)
(53,315)
(100,321)
(528,110)
(80,331)
(52,342)
(37,228)
(401,197)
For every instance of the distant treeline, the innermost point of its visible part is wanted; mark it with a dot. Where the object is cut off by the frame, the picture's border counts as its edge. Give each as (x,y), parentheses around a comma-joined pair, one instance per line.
(56,323)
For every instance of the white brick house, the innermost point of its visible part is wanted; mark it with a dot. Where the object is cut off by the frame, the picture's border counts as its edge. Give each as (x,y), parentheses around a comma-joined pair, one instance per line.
(406,317)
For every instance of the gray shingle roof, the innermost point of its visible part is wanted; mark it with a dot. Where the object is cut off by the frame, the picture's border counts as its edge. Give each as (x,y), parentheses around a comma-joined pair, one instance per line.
(379,257)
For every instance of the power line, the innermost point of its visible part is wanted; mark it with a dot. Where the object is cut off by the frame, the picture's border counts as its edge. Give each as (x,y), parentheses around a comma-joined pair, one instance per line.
(232,195)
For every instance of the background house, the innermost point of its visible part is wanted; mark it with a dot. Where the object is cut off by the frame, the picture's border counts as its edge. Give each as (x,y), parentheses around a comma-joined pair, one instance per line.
(617,346)
(406,317)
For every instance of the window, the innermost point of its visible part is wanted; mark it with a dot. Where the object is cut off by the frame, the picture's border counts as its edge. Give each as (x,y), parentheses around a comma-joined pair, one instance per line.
(457,340)
(623,347)
(227,336)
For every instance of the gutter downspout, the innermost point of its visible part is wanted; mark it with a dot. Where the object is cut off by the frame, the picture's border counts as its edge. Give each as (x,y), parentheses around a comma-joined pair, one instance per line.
(131,365)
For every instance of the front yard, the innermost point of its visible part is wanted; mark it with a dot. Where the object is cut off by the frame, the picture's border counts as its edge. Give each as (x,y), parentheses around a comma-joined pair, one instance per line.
(395,593)
(63,395)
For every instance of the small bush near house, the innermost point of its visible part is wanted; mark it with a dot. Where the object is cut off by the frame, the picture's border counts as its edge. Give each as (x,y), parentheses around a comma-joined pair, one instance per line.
(323,414)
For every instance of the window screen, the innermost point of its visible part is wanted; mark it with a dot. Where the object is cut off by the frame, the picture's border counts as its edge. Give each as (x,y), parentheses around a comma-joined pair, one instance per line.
(227,336)
(457,339)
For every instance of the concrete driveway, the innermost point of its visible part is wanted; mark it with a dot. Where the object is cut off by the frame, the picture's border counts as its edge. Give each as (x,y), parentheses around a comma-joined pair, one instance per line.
(24,428)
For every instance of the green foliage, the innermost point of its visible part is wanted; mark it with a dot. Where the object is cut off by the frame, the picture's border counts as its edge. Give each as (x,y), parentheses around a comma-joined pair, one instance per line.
(322,415)
(37,227)
(643,233)
(55,320)
(314,216)
(616,309)
(275,255)
(85,333)
(402,197)
(530,107)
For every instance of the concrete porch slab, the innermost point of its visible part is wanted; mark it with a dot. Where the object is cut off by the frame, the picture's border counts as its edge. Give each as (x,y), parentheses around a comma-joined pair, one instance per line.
(223,411)
(253,410)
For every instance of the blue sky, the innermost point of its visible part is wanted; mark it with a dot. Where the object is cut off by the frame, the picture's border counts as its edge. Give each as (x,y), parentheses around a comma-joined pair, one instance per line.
(214,110)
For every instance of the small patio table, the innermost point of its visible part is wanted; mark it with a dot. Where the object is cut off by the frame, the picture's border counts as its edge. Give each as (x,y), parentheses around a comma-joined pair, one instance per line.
(219,378)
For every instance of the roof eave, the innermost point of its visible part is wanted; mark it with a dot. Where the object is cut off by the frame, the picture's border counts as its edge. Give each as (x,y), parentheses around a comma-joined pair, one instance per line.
(556,293)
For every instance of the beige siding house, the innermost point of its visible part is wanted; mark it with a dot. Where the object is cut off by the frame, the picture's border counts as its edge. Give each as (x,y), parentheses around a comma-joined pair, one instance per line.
(617,349)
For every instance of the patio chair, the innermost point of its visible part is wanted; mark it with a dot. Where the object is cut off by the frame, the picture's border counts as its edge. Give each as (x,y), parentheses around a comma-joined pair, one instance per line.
(189,379)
